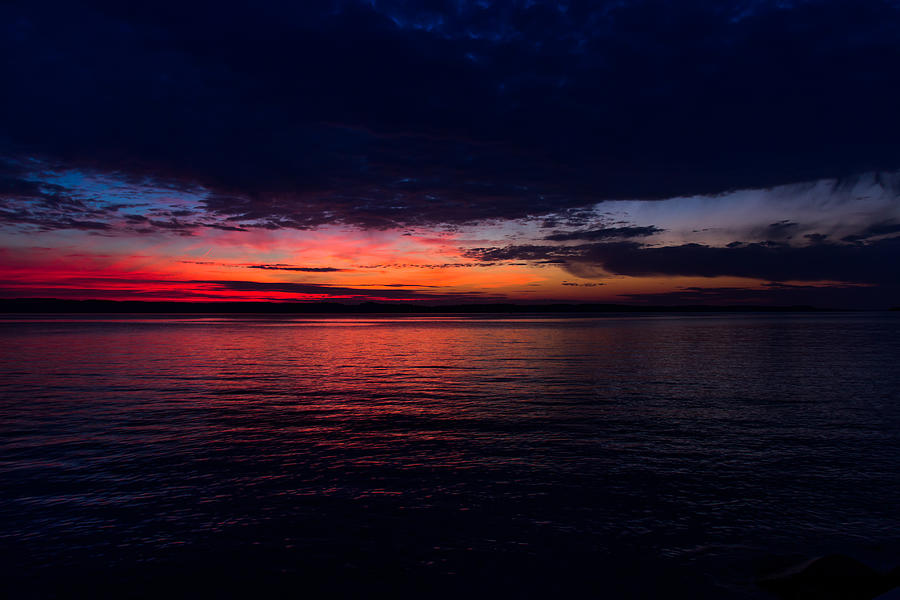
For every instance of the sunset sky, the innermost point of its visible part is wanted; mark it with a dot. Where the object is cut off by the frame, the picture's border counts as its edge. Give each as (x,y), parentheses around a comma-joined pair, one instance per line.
(643,152)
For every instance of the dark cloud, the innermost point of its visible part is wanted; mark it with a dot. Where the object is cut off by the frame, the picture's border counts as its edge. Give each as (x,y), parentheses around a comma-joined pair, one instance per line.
(298,114)
(268,267)
(109,287)
(874,230)
(851,263)
(816,238)
(532,252)
(174,225)
(399,285)
(280,267)
(221,227)
(395,293)
(45,220)
(465,265)
(34,205)
(779,231)
(604,233)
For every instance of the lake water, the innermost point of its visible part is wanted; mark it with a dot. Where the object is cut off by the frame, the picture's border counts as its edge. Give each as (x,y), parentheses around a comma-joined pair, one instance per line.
(616,456)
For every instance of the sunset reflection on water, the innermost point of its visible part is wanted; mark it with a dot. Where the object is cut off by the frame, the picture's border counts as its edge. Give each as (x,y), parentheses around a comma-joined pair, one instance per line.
(536,450)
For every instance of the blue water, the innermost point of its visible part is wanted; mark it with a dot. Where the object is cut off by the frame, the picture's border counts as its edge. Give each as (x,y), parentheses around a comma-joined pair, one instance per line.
(613,456)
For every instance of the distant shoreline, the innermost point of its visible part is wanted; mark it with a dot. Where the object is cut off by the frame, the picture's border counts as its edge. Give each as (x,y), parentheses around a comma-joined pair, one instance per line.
(51,305)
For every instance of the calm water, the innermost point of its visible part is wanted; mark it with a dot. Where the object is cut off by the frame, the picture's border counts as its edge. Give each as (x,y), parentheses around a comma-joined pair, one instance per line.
(615,456)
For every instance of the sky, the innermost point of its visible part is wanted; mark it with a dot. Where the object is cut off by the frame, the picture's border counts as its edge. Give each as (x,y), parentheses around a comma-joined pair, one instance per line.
(627,151)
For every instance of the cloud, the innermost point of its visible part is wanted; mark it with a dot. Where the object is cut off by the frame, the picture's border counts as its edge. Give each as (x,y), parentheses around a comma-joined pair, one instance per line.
(356,293)
(780,231)
(268,267)
(604,233)
(43,206)
(460,265)
(281,267)
(816,238)
(224,227)
(531,252)
(395,113)
(874,230)
(851,263)
(125,287)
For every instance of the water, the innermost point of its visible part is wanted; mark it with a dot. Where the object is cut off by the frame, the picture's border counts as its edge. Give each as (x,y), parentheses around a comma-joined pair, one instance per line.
(612,456)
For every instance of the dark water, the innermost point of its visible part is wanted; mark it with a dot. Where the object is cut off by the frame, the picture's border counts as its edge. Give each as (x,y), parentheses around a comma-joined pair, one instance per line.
(615,457)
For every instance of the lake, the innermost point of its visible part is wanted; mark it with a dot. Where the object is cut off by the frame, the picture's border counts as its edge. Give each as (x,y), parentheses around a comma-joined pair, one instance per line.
(615,456)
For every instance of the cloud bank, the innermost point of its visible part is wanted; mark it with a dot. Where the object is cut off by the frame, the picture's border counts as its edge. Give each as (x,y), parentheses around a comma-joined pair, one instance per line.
(419,113)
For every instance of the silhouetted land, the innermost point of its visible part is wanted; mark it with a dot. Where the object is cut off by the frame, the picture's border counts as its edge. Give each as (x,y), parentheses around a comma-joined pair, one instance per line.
(50,305)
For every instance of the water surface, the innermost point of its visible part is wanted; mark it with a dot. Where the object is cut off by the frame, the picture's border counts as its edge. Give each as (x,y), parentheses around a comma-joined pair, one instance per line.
(623,456)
